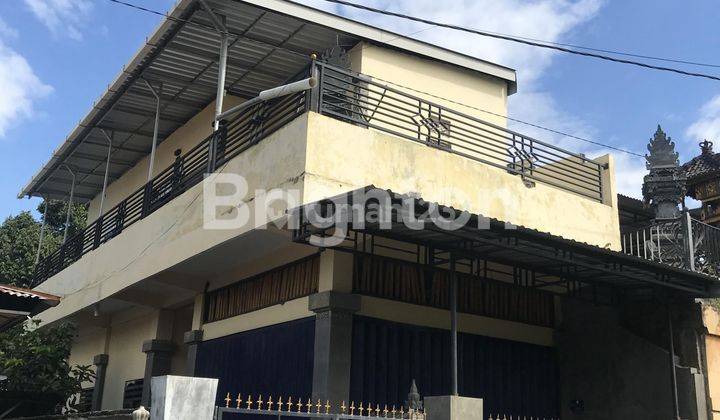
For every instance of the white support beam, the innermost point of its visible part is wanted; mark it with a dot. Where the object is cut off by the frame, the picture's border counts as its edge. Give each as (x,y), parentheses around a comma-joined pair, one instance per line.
(69,203)
(156,93)
(109,138)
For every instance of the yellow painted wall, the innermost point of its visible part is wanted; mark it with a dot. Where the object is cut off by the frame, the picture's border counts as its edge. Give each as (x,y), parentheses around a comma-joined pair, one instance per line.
(175,232)
(406,313)
(711,319)
(405,166)
(433,80)
(184,138)
(127,361)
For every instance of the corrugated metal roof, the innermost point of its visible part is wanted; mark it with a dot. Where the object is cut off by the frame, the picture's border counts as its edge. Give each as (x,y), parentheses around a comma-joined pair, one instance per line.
(578,263)
(27,293)
(270,41)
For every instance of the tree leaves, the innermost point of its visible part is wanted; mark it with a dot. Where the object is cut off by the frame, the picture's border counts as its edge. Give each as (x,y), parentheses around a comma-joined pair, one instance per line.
(19,237)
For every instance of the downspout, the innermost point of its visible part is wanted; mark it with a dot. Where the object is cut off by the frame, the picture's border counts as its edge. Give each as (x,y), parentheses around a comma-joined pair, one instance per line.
(673,376)
(453,327)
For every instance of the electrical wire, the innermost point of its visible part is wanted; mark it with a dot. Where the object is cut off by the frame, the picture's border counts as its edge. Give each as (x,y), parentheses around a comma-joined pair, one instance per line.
(556,47)
(529,124)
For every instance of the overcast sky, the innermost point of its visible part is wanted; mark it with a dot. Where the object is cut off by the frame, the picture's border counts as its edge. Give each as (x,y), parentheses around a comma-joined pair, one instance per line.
(57,57)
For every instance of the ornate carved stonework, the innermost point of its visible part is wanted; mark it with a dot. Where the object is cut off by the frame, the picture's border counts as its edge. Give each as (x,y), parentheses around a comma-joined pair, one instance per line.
(664,186)
(337,56)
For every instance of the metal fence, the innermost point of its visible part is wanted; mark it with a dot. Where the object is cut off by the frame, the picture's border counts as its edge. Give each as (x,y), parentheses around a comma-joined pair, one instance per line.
(352,98)
(188,169)
(315,410)
(685,243)
(360,100)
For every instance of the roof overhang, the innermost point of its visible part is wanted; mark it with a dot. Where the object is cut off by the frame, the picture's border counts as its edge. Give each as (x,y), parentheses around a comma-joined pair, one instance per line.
(565,266)
(270,42)
(16,304)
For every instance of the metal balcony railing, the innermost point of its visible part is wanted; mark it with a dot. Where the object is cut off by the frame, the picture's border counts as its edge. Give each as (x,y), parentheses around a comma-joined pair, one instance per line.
(684,243)
(360,100)
(230,140)
(356,99)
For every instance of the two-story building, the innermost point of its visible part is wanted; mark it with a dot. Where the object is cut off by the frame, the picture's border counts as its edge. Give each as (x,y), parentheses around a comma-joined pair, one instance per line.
(524,304)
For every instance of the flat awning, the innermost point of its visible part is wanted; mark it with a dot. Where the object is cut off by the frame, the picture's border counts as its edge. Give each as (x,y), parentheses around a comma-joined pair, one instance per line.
(270,42)
(548,262)
(16,304)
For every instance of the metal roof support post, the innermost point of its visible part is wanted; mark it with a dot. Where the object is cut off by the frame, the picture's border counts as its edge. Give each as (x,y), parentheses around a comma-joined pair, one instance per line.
(107,170)
(453,326)
(42,233)
(156,94)
(219,23)
(69,203)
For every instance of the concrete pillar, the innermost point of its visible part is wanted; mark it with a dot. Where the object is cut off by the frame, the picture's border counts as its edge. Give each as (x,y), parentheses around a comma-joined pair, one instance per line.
(100,361)
(453,407)
(333,344)
(183,398)
(192,339)
(157,363)
(158,350)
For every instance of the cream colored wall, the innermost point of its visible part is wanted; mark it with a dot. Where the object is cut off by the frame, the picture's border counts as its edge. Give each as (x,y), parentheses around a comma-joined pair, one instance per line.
(424,316)
(126,360)
(440,80)
(88,343)
(175,232)
(288,311)
(711,320)
(184,138)
(405,166)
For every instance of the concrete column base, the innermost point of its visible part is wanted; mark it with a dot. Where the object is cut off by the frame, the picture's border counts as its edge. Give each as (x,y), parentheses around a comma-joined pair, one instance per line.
(192,339)
(453,408)
(157,363)
(333,344)
(183,398)
(100,361)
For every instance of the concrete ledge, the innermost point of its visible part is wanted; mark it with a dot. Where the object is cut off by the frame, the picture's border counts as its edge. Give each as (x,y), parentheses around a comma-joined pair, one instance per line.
(101,359)
(158,346)
(334,301)
(453,408)
(193,337)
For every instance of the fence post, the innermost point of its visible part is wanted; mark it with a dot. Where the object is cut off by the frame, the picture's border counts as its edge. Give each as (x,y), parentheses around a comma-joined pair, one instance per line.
(147,197)
(98,231)
(689,245)
(313,95)
(178,169)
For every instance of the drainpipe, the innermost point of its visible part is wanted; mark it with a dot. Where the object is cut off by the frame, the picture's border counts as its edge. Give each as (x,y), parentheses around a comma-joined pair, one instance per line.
(107,169)
(42,232)
(673,376)
(156,94)
(453,327)
(69,205)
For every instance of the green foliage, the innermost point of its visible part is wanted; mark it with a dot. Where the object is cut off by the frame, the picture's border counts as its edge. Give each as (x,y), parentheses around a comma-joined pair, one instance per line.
(35,361)
(57,213)
(19,237)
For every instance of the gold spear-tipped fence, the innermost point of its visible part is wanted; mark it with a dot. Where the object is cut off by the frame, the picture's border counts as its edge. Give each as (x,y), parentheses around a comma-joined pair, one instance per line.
(294,407)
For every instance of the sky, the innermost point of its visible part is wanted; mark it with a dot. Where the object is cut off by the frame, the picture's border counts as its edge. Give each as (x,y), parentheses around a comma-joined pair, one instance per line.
(58,56)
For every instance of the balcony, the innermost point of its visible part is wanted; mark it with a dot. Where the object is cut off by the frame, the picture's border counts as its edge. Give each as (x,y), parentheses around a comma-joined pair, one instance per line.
(683,243)
(359,100)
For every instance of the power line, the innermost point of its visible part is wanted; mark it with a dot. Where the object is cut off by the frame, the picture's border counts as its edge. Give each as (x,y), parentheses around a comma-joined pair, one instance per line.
(526,41)
(551,130)
(529,124)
